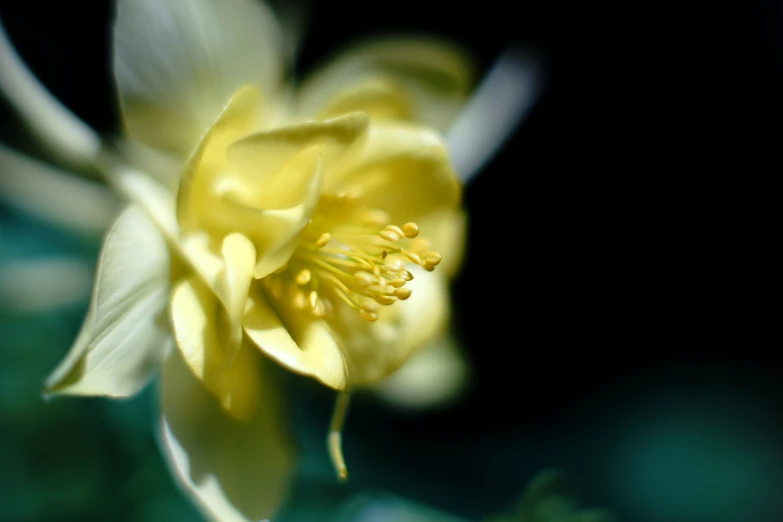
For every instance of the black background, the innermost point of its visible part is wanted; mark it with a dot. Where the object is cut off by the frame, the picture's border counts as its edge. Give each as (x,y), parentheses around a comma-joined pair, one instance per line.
(623,236)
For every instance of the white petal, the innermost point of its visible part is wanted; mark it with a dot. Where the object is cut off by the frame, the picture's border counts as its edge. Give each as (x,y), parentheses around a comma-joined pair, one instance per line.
(57,127)
(149,194)
(177,63)
(233,470)
(43,284)
(505,96)
(54,195)
(121,345)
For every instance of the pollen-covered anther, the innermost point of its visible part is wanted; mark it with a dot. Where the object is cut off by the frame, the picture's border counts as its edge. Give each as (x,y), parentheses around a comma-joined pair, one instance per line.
(364,278)
(384,299)
(303,277)
(390,235)
(410,230)
(323,240)
(312,300)
(402,293)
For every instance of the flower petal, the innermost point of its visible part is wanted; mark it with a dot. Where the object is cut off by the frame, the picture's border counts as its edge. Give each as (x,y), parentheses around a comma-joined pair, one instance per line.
(402,169)
(380,98)
(502,101)
(201,332)
(233,284)
(121,345)
(446,230)
(375,349)
(234,470)
(58,128)
(40,285)
(274,160)
(434,76)
(177,63)
(302,345)
(55,195)
(433,376)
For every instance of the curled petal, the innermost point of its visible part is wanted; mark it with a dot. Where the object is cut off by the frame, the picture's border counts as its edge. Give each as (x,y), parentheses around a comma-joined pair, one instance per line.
(373,350)
(235,470)
(403,169)
(301,344)
(121,343)
(201,335)
(275,160)
(433,76)
(177,63)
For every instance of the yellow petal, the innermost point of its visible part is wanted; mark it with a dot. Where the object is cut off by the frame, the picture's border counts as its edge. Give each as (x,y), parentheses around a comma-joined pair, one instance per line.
(433,75)
(234,470)
(233,285)
(303,345)
(375,349)
(446,231)
(202,338)
(275,160)
(177,63)
(381,98)
(402,169)
(121,345)
(433,376)
(238,118)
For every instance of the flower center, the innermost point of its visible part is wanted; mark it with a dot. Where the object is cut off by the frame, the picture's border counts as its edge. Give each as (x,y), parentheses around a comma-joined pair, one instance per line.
(350,252)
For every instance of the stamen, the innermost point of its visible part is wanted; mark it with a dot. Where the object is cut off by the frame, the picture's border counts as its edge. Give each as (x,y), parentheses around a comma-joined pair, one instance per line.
(410,230)
(352,254)
(303,277)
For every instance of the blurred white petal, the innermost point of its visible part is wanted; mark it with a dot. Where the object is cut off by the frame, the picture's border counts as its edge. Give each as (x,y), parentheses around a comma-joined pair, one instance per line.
(121,344)
(41,285)
(58,128)
(234,470)
(434,376)
(177,63)
(504,98)
(55,195)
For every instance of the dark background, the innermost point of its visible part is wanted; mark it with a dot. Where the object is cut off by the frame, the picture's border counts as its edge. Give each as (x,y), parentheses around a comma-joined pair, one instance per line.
(616,299)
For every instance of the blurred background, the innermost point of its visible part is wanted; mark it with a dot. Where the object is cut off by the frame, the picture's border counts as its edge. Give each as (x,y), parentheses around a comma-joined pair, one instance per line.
(628,343)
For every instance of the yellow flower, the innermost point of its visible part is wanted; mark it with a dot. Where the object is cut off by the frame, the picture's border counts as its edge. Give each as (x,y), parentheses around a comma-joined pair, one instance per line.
(314,227)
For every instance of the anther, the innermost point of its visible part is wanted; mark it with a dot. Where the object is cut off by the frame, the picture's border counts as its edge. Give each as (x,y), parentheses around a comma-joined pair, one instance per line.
(300,300)
(390,235)
(394,265)
(369,316)
(364,278)
(397,230)
(407,276)
(402,293)
(384,299)
(323,240)
(397,283)
(410,230)
(303,277)
(413,256)
(313,300)
(432,258)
